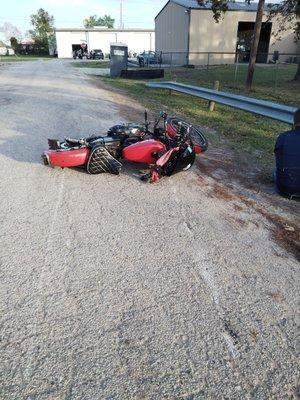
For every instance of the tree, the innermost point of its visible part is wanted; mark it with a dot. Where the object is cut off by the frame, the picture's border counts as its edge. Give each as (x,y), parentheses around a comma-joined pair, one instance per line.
(94,20)
(43,24)
(254,44)
(288,14)
(52,45)
(14,44)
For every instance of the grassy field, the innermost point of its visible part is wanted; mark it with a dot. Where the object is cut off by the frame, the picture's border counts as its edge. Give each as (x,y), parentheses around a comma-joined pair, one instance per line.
(271,82)
(23,58)
(90,64)
(243,132)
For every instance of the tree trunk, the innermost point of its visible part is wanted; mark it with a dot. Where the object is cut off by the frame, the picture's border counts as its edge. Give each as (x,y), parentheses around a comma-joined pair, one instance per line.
(297,76)
(254,44)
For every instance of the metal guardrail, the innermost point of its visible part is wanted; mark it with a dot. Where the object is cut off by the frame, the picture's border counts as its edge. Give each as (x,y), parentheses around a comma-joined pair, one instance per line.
(268,109)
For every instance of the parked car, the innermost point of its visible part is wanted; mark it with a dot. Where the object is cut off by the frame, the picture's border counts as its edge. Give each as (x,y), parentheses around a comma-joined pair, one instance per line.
(97,54)
(149,57)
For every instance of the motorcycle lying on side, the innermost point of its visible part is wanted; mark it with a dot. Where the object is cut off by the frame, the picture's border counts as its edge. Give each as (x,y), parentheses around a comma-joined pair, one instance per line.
(166,150)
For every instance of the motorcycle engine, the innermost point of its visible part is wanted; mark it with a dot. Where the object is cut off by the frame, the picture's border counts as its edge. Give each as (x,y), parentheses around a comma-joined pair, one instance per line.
(125,131)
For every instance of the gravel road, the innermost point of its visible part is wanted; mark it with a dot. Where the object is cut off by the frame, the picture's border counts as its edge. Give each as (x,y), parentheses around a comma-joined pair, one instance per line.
(116,289)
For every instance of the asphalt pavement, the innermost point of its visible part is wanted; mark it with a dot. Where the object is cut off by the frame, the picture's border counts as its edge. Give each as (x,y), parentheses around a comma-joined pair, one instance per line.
(116,289)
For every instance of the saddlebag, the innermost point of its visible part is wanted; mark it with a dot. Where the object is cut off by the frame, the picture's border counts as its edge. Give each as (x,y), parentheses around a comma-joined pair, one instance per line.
(102,161)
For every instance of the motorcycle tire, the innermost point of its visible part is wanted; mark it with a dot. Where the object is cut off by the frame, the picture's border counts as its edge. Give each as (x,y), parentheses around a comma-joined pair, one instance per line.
(196,135)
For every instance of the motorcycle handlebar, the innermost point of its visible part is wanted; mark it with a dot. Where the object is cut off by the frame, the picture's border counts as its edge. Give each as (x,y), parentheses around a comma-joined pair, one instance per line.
(76,141)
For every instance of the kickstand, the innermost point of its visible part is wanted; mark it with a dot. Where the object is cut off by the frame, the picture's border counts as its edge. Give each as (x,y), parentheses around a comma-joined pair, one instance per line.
(145,177)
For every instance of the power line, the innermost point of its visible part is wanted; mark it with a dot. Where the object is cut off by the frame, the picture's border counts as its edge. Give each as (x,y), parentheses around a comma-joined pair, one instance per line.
(80,21)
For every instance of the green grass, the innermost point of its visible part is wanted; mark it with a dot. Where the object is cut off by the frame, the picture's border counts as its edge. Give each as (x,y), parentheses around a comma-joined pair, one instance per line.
(23,58)
(243,132)
(272,82)
(91,64)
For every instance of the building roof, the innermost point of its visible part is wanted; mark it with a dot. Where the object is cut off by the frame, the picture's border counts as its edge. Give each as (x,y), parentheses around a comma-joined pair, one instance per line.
(102,30)
(232,6)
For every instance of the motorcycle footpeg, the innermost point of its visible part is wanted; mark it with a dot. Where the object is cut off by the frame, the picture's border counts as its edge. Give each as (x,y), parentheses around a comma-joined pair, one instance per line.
(145,177)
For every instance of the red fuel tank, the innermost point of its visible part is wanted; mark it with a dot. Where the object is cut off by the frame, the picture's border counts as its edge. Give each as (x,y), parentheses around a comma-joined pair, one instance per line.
(67,158)
(144,152)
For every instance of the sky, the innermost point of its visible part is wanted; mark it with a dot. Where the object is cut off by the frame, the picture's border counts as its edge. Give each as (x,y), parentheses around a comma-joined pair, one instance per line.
(70,13)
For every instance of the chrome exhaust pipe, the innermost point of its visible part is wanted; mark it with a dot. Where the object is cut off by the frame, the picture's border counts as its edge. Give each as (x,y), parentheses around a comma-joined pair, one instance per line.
(45,159)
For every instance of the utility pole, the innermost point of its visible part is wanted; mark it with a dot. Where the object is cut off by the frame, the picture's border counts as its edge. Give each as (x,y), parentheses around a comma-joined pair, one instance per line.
(254,44)
(121,14)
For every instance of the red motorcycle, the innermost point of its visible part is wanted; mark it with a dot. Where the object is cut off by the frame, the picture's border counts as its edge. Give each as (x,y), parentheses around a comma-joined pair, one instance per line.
(166,150)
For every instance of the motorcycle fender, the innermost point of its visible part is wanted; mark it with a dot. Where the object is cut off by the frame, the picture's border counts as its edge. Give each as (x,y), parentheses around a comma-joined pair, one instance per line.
(67,158)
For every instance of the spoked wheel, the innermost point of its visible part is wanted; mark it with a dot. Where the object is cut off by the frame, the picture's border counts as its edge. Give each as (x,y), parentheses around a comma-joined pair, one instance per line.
(196,135)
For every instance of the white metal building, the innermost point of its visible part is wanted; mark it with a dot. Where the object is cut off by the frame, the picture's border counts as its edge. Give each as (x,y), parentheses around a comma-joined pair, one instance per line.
(6,49)
(71,39)
(185,29)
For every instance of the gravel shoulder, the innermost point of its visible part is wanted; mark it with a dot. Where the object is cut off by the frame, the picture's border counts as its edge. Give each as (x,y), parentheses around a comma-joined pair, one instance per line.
(115,289)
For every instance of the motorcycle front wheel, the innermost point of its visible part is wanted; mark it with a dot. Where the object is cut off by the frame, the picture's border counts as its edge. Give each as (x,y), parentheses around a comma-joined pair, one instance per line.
(196,135)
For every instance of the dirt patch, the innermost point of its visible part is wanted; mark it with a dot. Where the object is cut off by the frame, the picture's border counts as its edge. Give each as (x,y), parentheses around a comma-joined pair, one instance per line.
(221,192)
(238,221)
(284,231)
(237,207)
(233,186)
(290,240)
(233,167)
(242,223)
(277,296)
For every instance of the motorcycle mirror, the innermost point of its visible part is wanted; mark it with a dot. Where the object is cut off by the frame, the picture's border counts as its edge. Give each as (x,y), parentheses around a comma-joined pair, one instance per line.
(163,114)
(146,116)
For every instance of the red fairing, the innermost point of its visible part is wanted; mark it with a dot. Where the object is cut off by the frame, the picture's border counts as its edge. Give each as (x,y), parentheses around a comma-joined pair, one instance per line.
(144,152)
(68,158)
(165,158)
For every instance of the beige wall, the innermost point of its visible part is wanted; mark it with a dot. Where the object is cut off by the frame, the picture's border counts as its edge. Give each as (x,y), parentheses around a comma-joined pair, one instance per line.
(171,32)
(208,36)
(286,43)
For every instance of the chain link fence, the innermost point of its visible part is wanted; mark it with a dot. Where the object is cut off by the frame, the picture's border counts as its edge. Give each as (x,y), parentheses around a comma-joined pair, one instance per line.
(230,68)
